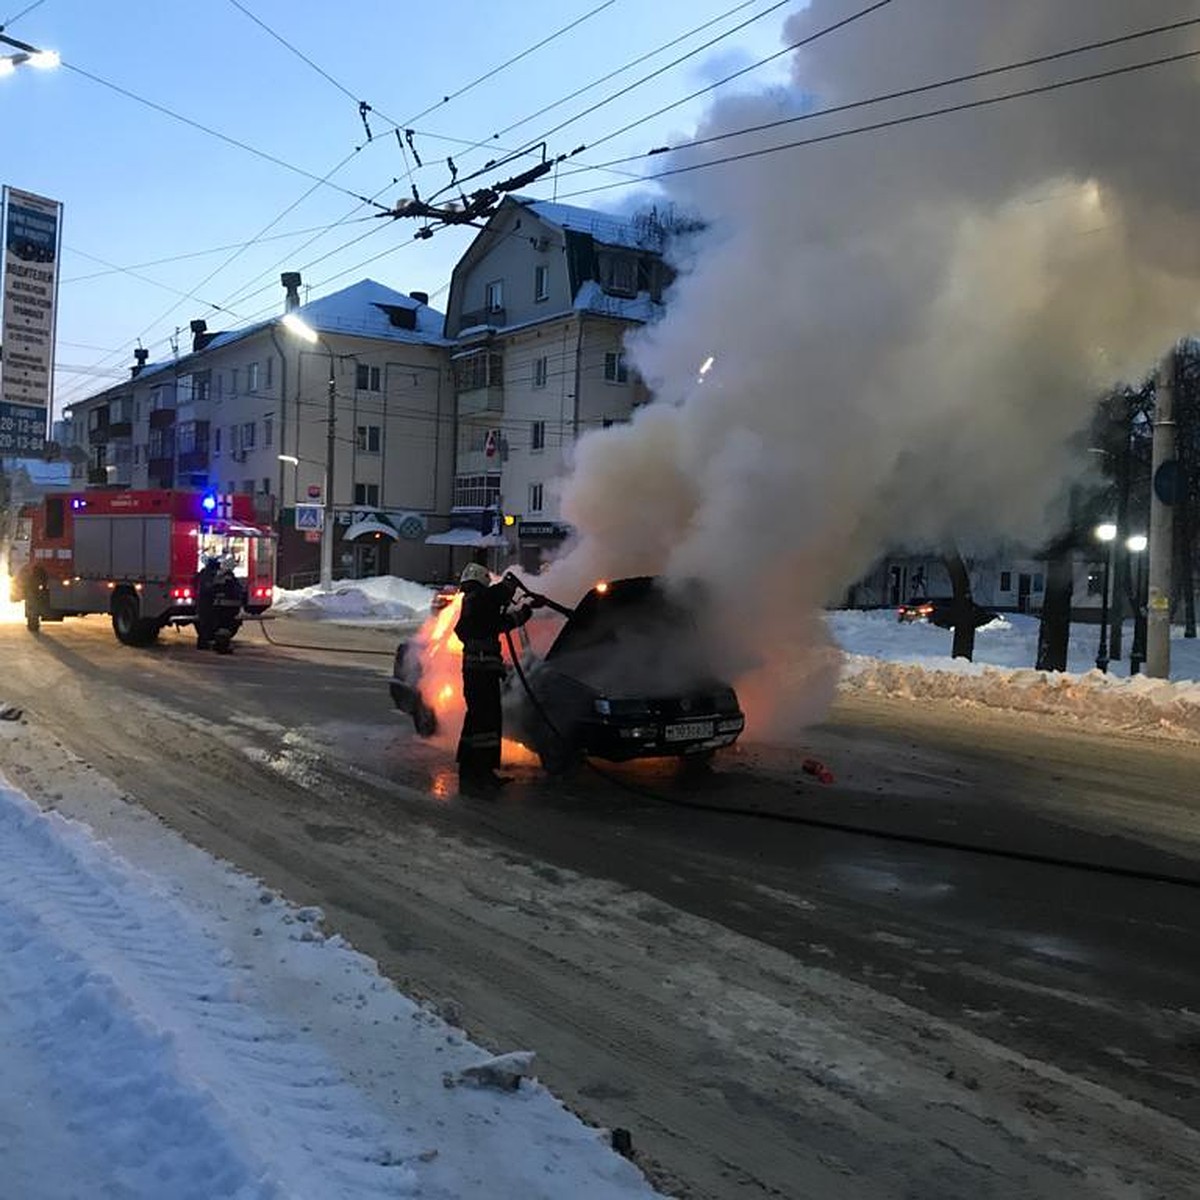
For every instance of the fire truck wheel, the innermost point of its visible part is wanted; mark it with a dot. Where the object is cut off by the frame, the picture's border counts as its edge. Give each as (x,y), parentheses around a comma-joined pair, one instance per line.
(127,623)
(559,757)
(33,616)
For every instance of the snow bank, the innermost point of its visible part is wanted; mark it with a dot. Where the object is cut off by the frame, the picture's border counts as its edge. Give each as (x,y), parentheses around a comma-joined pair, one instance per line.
(152,1048)
(886,657)
(382,599)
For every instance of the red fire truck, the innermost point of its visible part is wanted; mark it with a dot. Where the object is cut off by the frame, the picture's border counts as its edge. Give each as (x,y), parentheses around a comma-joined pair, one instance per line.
(134,555)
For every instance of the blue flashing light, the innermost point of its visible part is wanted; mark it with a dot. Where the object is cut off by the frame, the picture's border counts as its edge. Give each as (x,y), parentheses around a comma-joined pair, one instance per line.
(78,502)
(209,502)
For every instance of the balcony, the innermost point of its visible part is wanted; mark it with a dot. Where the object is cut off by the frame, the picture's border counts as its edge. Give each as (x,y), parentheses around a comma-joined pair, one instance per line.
(495,317)
(97,476)
(193,460)
(98,435)
(162,418)
(161,472)
(120,429)
(481,400)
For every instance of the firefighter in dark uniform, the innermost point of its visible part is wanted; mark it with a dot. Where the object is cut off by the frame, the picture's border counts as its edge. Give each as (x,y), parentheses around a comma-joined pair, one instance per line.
(485,615)
(206,588)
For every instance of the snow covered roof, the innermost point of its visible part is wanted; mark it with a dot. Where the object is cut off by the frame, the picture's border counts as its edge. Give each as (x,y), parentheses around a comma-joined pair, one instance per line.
(593,298)
(610,228)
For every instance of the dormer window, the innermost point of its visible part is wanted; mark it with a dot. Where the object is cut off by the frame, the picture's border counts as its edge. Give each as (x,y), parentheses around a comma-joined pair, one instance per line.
(619,274)
(493,296)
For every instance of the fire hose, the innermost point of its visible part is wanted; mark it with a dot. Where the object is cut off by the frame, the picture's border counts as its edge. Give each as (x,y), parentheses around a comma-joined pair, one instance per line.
(817,769)
(811,767)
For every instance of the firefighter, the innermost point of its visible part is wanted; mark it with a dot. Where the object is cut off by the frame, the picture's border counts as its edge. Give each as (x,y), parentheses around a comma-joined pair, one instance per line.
(206,586)
(486,614)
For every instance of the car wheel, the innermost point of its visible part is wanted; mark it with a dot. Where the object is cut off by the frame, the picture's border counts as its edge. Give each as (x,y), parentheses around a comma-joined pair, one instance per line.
(559,755)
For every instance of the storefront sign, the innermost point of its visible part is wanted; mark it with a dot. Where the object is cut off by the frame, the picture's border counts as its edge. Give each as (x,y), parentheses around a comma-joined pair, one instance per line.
(542,531)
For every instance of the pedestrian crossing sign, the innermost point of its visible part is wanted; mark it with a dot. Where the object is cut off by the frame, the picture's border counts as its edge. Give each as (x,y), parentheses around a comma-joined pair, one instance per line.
(310,516)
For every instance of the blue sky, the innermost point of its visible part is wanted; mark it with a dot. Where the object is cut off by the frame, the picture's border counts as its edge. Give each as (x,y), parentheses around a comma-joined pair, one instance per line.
(139,186)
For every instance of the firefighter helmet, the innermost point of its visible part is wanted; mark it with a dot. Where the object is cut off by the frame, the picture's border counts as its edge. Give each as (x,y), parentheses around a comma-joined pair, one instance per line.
(475,573)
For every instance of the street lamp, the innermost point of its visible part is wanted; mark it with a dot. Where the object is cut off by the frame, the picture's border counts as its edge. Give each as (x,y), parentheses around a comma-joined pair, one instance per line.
(1137,654)
(301,329)
(26,55)
(1107,535)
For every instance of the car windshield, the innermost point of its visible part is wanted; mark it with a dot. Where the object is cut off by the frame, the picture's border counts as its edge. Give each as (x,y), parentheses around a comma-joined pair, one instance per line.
(632,638)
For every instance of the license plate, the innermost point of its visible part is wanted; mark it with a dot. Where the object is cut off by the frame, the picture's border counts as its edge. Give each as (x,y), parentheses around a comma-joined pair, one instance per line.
(686,730)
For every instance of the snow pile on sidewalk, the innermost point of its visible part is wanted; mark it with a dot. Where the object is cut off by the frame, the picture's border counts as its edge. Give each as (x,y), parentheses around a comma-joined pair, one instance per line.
(227,1048)
(382,599)
(912,661)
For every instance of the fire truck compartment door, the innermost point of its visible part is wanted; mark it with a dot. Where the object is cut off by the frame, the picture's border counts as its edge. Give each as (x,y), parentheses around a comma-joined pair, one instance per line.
(123,547)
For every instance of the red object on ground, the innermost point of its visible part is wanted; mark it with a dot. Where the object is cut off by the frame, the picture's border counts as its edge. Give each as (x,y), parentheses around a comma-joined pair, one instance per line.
(815,767)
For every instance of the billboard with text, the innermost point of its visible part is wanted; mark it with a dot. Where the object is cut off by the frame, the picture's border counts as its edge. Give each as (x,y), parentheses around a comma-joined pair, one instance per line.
(32,238)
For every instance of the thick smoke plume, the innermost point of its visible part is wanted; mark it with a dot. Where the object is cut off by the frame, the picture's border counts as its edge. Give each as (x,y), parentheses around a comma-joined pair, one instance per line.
(907,326)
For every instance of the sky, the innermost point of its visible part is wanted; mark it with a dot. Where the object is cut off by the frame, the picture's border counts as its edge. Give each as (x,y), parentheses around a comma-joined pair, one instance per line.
(139,186)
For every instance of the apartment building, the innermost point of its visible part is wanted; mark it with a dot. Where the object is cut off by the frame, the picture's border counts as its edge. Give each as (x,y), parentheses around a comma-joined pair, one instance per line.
(247,411)
(539,308)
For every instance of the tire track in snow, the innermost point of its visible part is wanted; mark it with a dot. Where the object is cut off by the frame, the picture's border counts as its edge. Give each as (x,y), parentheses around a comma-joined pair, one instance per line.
(99,971)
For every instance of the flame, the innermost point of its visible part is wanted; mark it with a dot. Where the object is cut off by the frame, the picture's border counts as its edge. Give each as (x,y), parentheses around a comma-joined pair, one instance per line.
(602,587)
(11,611)
(440,654)
(516,754)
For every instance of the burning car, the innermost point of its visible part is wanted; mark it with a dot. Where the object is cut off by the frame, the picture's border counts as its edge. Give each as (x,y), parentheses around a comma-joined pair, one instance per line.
(624,678)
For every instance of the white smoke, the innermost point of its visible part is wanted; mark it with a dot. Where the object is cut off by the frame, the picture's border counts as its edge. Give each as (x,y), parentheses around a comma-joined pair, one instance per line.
(907,325)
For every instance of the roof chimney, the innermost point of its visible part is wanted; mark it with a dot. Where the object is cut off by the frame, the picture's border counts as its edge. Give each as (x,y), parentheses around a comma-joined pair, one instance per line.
(291,281)
(419,297)
(198,328)
(139,355)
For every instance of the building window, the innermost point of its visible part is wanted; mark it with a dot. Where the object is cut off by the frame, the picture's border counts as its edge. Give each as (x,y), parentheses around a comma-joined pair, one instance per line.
(493,295)
(266,487)
(366,379)
(479,370)
(367,494)
(162,443)
(217,440)
(476,491)
(540,372)
(535,497)
(619,274)
(270,371)
(201,384)
(248,436)
(248,487)
(233,382)
(268,428)
(615,370)
(220,388)
(541,282)
(1006,581)
(233,439)
(368,439)
(1095,583)
(538,440)
(252,377)
(1039,582)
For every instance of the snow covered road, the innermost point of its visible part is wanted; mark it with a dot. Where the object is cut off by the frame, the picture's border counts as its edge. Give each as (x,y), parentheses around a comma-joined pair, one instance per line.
(141,1057)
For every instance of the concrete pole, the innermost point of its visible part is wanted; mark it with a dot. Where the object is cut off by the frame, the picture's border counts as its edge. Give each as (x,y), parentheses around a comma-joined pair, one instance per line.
(1162,541)
(330,451)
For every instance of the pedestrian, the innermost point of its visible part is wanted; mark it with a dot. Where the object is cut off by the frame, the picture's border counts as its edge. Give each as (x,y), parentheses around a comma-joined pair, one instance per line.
(486,613)
(206,587)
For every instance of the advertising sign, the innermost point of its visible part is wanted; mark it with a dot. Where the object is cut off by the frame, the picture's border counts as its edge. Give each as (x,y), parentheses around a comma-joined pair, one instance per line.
(32,236)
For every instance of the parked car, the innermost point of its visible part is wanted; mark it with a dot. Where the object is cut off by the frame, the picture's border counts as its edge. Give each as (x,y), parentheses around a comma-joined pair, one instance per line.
(939,611)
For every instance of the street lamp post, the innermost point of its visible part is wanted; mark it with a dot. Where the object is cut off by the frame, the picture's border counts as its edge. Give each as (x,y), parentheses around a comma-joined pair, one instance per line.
(1136,545)
(1106,534)
(295,325)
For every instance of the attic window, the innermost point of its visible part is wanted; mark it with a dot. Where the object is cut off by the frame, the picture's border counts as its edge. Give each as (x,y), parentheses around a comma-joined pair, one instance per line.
(399,316)
(619,274)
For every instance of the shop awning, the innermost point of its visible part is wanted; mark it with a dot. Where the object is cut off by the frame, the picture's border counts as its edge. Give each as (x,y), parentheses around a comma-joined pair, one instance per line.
(471,538)
(375,523)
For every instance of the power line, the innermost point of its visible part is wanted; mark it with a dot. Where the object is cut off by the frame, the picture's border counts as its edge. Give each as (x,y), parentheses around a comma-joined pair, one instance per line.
(804,41)
(23,13)
(964,106)
(904,93)
(535,142)
(297,52)
(321,181)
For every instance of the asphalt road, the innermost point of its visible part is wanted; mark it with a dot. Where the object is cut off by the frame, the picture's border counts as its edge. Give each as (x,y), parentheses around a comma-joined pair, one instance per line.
(772,1008)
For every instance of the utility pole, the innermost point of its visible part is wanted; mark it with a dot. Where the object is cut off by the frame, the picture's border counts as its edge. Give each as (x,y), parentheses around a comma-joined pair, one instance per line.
(330,451)
(1165,484)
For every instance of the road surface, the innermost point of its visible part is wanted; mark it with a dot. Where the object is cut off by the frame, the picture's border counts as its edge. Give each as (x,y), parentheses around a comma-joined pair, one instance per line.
(772,1008)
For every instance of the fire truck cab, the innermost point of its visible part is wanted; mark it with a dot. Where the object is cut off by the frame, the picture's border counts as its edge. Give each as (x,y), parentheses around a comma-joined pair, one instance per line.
(135,555)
